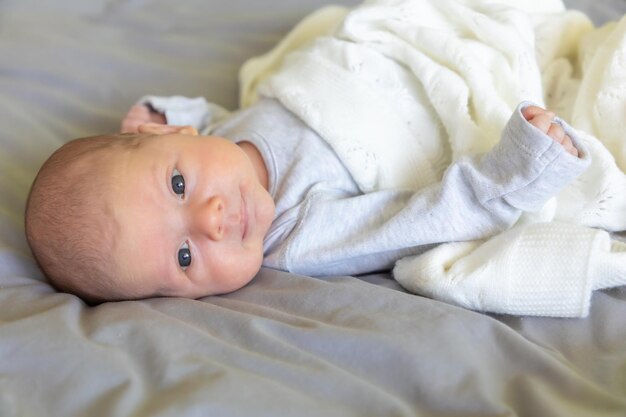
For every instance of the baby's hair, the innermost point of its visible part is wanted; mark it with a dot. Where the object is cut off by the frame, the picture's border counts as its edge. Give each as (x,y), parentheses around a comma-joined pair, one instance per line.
(67,220)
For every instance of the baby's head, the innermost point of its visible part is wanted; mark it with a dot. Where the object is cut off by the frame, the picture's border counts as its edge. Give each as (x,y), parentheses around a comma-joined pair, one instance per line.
(155,214)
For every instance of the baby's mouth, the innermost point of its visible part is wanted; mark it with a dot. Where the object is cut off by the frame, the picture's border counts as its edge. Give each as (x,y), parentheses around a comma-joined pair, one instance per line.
(243,218)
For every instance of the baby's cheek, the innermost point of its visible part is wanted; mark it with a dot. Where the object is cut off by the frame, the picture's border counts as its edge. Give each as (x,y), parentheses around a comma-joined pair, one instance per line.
(235,270)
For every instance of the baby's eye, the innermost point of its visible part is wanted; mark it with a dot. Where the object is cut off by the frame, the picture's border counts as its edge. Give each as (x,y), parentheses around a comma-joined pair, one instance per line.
(178,183)
(184,256)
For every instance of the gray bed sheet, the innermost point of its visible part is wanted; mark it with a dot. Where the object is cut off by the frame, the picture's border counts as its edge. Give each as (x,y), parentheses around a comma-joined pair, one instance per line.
(285,345)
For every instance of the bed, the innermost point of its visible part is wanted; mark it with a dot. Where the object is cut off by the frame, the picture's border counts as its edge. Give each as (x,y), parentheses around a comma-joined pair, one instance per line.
(285,345)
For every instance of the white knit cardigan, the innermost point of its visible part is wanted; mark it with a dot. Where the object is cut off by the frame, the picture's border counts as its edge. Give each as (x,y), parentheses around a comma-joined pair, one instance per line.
(400,88)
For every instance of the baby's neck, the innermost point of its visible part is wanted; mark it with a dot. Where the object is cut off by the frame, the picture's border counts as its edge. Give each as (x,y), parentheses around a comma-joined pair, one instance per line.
(257,161)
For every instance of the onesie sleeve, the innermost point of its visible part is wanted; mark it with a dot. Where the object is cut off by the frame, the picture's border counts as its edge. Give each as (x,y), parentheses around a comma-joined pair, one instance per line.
(526,168)
(185,111)
(479,196)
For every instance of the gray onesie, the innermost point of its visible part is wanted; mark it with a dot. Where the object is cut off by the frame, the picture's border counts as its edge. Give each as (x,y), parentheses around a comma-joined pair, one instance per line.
(325,225)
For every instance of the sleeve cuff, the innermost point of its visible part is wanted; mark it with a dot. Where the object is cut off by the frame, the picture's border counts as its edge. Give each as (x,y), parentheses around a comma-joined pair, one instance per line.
(535,167)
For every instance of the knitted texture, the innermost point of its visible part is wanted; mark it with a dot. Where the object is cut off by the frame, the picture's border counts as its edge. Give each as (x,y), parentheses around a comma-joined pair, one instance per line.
(527,270)
(392,68)
(597,198)
(610,266)
(401,88)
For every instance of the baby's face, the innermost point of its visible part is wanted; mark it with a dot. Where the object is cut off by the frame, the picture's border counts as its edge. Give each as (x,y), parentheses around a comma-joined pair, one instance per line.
(189,216)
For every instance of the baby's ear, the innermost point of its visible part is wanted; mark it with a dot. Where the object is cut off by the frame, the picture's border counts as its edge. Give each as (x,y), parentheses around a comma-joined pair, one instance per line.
(159,129)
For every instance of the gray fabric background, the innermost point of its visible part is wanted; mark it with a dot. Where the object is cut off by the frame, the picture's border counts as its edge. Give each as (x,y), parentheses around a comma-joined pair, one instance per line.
(286,345)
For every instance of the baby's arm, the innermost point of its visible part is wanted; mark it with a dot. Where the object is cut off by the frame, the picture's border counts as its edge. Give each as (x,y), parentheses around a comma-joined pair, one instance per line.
(537,156)
(477,197)
(174,110)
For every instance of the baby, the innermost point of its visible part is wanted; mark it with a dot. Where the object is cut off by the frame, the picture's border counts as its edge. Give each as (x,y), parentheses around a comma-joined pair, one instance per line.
(159,211)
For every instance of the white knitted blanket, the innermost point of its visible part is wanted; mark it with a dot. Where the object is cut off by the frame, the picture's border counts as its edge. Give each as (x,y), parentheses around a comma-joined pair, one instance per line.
(401,88)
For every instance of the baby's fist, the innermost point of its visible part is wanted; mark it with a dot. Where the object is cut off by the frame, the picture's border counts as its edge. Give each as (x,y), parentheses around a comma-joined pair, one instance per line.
(138,115)
(543,120)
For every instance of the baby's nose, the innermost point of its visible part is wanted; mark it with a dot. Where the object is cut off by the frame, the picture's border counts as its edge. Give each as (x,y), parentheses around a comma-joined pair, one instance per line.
(209,218)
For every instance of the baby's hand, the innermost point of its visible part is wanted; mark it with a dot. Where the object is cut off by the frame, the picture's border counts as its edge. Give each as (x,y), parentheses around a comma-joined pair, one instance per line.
(138,115)
(543,120)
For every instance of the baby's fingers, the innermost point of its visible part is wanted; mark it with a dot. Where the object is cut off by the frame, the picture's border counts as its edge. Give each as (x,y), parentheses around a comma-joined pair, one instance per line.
(138,112)
(130,125)
(557,134)
(569,146)
(531,111)
(542,121)
(136,115)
